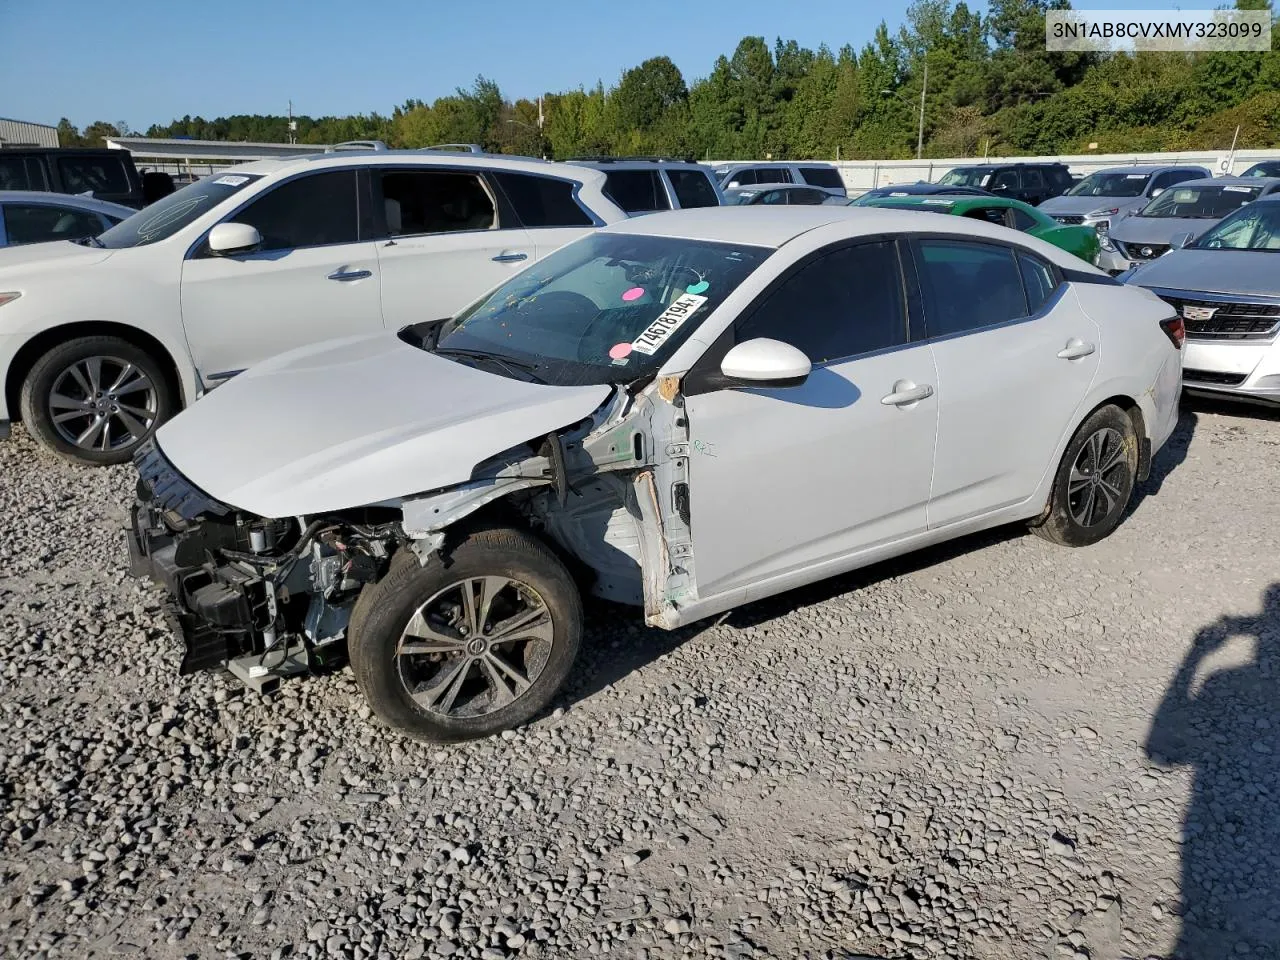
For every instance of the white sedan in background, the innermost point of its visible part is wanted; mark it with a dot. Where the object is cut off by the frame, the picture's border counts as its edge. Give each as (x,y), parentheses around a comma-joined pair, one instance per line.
(103,339)
(37,216)
(701,408)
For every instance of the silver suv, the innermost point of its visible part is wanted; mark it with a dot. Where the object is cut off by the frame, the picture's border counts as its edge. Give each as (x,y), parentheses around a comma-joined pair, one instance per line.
(649,184)
(824,176)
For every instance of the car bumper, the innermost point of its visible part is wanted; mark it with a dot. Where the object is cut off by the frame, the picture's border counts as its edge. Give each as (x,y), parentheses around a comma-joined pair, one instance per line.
(1242,370)
(1113,262)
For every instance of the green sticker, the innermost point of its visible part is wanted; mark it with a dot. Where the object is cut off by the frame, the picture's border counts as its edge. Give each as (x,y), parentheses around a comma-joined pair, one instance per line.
(700,287)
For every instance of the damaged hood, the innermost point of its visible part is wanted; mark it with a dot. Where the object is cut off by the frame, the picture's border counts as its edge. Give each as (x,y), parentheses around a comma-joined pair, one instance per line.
(357,421)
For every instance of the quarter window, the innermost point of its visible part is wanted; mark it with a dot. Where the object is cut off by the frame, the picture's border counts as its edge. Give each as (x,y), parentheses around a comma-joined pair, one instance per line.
(542,201)
(693,188)
(311,211)
(1021,219)
(846,303)
(418,202)
(968,285)
(1038,279)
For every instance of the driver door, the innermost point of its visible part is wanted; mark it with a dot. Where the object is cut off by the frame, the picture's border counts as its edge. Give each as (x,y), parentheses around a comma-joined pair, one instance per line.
(787,478)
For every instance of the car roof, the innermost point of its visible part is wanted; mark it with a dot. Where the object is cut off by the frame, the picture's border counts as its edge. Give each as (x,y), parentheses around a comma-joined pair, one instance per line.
(1233,181)
(946,201)
(621,163)
(773,163)
(426,158)
(48,198)
(1146,168)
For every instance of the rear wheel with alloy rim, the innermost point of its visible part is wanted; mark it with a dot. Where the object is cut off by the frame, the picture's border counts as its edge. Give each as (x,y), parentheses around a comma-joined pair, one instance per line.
(469,649)
(94,400)
(1094,482)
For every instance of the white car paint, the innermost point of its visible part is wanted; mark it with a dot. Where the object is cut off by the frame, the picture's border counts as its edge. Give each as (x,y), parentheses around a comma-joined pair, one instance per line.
(216,315)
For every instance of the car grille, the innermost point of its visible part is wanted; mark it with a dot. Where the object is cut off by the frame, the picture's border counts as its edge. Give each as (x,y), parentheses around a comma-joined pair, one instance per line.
(1211,376)
(1228,321)
(1141,251)
(1069,218)
(164,488)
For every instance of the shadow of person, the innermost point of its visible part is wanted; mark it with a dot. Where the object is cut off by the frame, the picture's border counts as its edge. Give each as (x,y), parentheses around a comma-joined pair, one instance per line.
(1228,731)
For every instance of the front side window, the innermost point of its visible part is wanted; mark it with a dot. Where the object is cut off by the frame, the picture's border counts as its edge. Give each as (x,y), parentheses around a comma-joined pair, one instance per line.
(967,177)
(312,211)
(968,285)
(744,178)
(1202,201)
(1111,185)
(170,214)
(693,188)
(772,175)
(96,175)
(1005,180)
(1033,178)
(846,303)
(421,202)
(989,214)
(822,177)
(1256,227)
(609,308)
(13,174)
(542,201)
(636,191)
(38,222)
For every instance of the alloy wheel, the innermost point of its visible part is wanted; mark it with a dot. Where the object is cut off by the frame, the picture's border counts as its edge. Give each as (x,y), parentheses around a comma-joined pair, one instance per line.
(1096,486)
(103,403)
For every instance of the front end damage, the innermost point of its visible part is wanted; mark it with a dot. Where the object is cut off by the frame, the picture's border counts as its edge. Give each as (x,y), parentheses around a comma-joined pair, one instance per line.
(266,597)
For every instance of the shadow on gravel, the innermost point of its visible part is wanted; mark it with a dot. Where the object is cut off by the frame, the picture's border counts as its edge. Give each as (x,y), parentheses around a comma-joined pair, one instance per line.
(1226,727)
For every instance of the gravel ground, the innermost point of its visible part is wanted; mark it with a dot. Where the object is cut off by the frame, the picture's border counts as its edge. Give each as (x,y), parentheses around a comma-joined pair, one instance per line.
(999,749)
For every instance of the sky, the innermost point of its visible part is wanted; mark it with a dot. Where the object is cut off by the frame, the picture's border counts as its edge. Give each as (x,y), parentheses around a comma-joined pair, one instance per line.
(147,61)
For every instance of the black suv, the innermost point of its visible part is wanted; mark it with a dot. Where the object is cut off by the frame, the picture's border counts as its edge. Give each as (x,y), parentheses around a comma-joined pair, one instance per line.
(1031,183)
(105,174)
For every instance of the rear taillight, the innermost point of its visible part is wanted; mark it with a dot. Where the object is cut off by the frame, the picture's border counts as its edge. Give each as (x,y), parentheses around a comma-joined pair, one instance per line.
(1175,330)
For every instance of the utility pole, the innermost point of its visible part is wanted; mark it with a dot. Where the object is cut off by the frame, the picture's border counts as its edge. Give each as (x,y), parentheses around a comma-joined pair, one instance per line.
(292,126)
(924,89)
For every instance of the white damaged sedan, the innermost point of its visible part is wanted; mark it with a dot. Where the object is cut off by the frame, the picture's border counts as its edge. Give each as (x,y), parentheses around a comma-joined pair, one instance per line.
(683,412)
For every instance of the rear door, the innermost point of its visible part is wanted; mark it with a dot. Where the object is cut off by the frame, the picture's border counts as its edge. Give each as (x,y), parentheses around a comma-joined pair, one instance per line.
(547,208)
(314,277)
(1015,357)
(443,242)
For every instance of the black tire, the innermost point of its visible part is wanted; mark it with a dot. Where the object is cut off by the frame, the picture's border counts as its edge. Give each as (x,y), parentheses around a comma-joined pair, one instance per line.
(114,356)
(1086,509)
(386,608)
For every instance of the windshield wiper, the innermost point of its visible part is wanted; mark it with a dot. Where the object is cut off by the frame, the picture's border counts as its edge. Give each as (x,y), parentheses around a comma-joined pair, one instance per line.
(514,367)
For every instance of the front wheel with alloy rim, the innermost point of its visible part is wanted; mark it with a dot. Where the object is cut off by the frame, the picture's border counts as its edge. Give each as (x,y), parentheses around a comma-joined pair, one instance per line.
(1094,482)
(94,400)
(468,648)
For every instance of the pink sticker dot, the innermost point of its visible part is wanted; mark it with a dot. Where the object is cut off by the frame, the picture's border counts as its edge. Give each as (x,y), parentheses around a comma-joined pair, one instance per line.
(619,350)
(635,293)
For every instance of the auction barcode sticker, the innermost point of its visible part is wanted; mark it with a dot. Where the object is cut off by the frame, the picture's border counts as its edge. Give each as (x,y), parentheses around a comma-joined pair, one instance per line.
(667,323)
(1169,30)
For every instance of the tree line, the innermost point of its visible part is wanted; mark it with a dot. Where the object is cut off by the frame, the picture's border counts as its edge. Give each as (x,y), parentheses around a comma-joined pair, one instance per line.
(992,89)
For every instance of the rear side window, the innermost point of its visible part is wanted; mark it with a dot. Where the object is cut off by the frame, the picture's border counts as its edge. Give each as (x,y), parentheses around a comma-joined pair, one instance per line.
(421,202)
(846,303)
(636,191)
(542,201)
(96,175)
(693,188)
(822,176)
(1038,279)
(38,222)
(311,211)
(968,285)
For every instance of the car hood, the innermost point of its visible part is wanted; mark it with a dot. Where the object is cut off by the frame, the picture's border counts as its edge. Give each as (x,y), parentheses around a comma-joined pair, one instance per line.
(1250,273)
(357,421)
(1081,206)
(1157,229)
(59,255)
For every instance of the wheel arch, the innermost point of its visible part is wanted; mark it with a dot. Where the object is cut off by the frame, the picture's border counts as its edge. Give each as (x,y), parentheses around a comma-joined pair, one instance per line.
(39,344)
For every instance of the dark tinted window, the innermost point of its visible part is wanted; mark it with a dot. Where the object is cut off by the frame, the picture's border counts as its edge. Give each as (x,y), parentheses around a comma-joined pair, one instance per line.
(543,201)
(743,177)
(693,188)
(807,196)
(849,302)
(968,285)
(990,214)
(97,175)
(1038,279)
(822,176)
(1059,176)
(1004,180)
(1021,219)
(13,174)
(310,211)
(772,175)
(636,191)
(1031,177)
(418,202)
(37,222)
(1178,176)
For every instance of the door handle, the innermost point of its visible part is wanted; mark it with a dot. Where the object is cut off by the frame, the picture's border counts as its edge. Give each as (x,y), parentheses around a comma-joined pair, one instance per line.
(905,393)
(344,275)
(510,257)
(1075,349)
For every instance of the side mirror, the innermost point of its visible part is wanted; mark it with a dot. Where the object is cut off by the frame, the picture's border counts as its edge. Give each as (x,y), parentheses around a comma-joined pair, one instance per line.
(1183,240)
(766,363)
(228,238)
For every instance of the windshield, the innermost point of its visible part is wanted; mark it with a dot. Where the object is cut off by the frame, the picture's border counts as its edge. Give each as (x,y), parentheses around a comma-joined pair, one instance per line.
(966,177)
(1110,185)
(1207,202)
(609,308)
(1263,170)
(1256,227)
(170,214)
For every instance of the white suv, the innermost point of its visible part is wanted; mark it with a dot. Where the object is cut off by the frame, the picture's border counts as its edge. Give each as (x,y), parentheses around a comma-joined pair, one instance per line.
(103,339)
(824,176)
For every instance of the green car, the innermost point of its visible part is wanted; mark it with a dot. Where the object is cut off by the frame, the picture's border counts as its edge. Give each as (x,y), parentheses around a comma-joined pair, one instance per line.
(1081,241)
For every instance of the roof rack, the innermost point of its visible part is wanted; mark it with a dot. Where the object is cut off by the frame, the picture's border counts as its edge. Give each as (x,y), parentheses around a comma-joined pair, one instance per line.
(605,159)
(375,145)
(457,148)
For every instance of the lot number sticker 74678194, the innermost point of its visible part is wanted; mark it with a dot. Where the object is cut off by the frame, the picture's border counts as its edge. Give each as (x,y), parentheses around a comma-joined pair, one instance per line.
(667,323)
